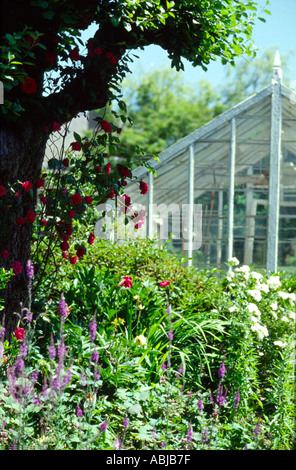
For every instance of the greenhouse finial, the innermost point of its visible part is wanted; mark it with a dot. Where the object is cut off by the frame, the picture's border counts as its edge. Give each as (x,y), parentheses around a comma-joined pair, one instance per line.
(277,68)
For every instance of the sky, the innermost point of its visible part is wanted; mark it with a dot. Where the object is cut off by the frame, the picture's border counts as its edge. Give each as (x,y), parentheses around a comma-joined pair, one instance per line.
(279,32)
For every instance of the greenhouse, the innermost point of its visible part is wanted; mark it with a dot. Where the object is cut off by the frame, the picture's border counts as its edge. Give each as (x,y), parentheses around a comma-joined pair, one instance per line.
(228,189)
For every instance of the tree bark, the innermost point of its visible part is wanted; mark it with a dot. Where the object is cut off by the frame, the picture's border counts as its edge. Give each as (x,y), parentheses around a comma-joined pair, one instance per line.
(22,153)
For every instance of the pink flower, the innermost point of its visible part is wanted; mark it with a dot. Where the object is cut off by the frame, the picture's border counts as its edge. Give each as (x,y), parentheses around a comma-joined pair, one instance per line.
(17,268)
(76,146)
(164,283)
(127,281)
(5,254)
(2,191)
(73,259)
(27,185)
(91,238)
(56,126)
(76,199)
(20,221)
(143,187)
(31,217)
(19,333)
(88,200)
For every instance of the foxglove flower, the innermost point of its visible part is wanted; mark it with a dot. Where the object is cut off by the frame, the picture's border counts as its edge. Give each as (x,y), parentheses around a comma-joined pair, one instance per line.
(93,329)
(30,269)
(63,308)
(104,426)
(222,370)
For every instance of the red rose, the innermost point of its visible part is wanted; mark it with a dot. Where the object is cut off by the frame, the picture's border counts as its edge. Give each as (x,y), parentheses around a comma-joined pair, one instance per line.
(56,126)
(88,200)
(127,281)
(50,57)
(2,191)
(65,254)
(76,146)
(19,333)
(123,171)
(40,183)
(91,238)
(31,217)
(66,162)
(73,259)
(111,194)
(98,169)
(43,199)
(64,246)
(29,86)
(76,199)
(43,222)
(71,214)
(17,268)
(108,168)
(119,130)
(111,57)
(143,187)
(4,254)
(90,48)
(20,221)
(105,125)
(98,51)
(74,54)
(81,252)
(27,185)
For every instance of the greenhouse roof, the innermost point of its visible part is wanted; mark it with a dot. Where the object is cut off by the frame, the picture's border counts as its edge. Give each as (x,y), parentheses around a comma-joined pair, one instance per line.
(211,144)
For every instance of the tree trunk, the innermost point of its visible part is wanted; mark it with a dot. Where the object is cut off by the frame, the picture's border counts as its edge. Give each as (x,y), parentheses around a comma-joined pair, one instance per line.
(22,153)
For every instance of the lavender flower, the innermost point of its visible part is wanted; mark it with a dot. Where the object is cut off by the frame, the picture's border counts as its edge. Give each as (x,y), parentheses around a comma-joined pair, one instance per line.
(95,356)
(257,429)
(63,308)
(104,426)
(200,405)
(221,398)
(236,399)
(168,309)
(93,329)
(125,422)
(170,335)
(189,434)
(222,370)
(51,349)
(30,269)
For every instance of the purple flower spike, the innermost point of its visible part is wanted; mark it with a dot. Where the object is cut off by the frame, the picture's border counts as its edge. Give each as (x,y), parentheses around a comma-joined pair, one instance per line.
(125,422)
(104,426)
(236,399)
(222,370)
(93,329)
(63,309)
(30,269)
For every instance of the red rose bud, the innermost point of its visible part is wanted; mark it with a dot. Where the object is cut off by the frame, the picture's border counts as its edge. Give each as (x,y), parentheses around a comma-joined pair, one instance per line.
(40,183)
(20,221)
(65,162)
(17,268)
(71,214)
(19,334)
(73,259)
(81,252)
(105,125)
(2,191)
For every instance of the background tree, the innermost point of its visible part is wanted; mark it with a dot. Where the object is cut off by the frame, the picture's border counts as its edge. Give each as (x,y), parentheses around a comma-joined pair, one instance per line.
(39,37)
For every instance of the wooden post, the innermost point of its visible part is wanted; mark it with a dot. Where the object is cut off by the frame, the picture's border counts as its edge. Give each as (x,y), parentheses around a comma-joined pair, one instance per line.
(150,206)
(190,204)
(274,168)
(231,187)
